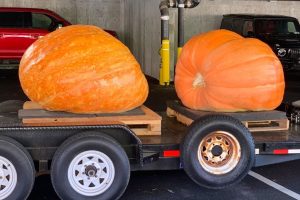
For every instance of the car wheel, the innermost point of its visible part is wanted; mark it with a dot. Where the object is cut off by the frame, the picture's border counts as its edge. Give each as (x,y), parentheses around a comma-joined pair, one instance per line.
(17,172)
(218,151)
(90,166)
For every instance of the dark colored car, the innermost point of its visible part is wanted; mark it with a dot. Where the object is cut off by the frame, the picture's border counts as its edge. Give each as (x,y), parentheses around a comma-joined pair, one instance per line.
(20,27)
(281,33)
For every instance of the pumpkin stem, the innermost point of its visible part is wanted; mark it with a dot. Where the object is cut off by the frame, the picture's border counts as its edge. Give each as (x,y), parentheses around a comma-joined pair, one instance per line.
(198,81)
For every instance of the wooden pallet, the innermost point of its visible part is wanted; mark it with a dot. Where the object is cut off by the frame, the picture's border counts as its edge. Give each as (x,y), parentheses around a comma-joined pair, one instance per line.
(142,120)
(254,121)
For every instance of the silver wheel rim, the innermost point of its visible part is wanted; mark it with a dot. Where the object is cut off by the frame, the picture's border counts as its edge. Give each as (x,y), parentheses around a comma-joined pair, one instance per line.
(91,173)
(228,154)
(8,178)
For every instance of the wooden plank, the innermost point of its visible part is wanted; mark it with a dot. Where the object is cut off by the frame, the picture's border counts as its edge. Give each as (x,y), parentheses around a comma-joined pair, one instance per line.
(255,124)
(143,122)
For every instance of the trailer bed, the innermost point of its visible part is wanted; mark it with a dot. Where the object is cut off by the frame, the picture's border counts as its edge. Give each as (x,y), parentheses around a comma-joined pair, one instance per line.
(164,148)
(172,131)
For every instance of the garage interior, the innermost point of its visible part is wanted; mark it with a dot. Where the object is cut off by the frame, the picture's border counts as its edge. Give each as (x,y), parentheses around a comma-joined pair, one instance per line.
(138,25)
(143,36)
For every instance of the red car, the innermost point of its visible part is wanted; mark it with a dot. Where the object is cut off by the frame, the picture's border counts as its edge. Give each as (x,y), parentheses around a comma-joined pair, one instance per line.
(20,27)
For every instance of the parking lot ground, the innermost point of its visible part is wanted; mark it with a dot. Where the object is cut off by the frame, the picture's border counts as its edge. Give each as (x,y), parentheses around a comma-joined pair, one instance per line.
(169,185)
(286,174)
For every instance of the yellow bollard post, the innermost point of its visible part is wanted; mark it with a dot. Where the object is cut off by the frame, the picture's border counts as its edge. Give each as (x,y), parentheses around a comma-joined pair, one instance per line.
(165,63)
(179,49)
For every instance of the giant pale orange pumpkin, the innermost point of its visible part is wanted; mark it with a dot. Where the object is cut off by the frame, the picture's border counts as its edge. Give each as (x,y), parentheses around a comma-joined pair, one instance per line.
(82,69)
(222,71)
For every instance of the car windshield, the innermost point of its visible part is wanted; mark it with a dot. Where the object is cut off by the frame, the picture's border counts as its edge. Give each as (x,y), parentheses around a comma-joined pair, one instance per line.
(277,26)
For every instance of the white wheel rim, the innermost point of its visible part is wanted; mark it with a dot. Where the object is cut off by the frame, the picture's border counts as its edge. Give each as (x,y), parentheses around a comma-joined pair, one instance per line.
(91,173)
(8,177)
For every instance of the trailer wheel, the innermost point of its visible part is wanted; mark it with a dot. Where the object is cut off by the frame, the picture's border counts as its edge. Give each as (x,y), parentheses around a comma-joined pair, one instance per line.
(17,172)
(90,166)
(218,151)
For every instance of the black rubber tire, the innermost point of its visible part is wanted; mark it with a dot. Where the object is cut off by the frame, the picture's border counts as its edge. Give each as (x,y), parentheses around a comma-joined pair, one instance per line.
(189,148)
(84,142)
(22,161)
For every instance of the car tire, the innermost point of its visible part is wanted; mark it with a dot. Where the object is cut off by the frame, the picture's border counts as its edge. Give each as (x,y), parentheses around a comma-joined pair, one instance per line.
(17,172)
(90,166)
(218,151)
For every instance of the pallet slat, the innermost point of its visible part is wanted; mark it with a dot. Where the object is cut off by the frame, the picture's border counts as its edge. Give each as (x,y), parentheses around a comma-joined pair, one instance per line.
(254,121)
(143,121)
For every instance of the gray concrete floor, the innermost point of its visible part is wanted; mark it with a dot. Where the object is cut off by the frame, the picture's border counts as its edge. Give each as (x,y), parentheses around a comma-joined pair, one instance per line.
(175,184)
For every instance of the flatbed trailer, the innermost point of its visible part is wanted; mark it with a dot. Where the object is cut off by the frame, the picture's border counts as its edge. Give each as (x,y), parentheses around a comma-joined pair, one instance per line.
(79,171)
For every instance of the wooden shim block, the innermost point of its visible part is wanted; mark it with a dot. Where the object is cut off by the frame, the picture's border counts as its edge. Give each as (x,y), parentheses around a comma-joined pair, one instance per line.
(145,131)
(181,118)
(154,127)
(285,123)
(31,105)
(171,112)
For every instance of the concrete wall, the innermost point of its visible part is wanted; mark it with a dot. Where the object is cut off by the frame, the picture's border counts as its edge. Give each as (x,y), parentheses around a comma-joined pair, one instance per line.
(137,22)
(103,13)
(143,31)
(207,16)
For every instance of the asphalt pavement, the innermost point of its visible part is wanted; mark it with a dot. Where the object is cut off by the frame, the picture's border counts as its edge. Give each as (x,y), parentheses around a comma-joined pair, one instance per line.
(279,181)
(176,185)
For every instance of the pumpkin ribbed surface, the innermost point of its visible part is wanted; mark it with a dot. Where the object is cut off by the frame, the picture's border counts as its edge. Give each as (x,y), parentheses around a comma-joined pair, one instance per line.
(82,69)
(222,71)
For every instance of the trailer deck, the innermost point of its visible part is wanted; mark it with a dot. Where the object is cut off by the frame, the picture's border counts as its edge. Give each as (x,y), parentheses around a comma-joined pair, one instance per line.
(145,152)
(162,152)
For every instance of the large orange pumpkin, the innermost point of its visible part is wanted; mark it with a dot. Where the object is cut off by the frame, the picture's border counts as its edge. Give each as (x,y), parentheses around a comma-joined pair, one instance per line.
(82,69)
(222,71)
